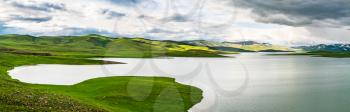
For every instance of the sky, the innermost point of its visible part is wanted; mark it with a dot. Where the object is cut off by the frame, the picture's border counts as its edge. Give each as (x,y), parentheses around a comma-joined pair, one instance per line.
(285,22)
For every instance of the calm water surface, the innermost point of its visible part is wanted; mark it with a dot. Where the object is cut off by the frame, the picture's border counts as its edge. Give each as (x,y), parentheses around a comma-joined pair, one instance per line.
(250,82)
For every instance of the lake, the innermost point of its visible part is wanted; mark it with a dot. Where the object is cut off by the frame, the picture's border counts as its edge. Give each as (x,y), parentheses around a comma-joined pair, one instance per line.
(247,82)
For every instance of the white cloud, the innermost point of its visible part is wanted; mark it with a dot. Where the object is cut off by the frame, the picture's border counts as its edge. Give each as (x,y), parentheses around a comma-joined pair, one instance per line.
(158,19)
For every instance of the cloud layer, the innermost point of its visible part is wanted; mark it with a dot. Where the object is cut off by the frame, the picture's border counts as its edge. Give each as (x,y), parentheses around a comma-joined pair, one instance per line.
(329,13)
(283,21)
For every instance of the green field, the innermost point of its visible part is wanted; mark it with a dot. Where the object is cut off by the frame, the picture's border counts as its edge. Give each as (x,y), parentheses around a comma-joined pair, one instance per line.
(101,46)
(104,94)
(241,46)
(121,94)
(132,94)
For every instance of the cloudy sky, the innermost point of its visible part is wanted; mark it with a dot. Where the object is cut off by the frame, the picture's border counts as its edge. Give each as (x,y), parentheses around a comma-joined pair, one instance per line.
(287,22)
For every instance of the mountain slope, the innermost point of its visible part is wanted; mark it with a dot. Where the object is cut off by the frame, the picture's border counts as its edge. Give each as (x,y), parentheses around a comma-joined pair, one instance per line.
(106,94)
(327,48)
(97,45)
(243,46)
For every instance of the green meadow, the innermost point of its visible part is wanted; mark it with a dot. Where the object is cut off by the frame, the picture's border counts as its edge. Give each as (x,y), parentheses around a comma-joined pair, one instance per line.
(121,94)
(101,46)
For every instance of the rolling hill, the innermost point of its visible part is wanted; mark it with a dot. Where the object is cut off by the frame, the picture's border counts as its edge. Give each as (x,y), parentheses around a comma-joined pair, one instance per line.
(241,46)
(96,46)
(327,48)
(96,95)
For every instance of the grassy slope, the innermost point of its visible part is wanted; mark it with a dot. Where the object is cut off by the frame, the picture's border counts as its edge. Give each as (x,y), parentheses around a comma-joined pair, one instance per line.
(134,94)
(18,50)
(17,96)
(244,46)
(261,47)
(96,45)
(104,94)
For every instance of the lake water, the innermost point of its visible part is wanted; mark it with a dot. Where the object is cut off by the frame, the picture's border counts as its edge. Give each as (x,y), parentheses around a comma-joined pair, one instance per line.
(248,82)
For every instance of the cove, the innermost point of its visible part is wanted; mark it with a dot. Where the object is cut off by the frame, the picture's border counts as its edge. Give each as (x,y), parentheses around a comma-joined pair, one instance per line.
(252,82)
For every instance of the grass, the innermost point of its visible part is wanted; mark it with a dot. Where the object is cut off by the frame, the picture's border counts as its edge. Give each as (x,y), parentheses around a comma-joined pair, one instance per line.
(261,47)
(132,94)
(122,94)
(96,45)
(17,96)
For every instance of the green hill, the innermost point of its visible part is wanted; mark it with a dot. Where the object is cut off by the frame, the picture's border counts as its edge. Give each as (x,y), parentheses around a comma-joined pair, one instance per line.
(103,94)
(243,46)
(19,50)
(113,94)
(96,45)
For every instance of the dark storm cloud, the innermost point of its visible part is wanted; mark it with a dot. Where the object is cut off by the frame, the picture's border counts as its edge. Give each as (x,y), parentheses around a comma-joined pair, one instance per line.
(335,13)
(47,7)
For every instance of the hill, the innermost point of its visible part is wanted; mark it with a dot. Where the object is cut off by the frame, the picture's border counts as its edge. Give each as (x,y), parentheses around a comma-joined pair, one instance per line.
(241,46)
(20,50)
(327,48)
(106,94)
(96,46)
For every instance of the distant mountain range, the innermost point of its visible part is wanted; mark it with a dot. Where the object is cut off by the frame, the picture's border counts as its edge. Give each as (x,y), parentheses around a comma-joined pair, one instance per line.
(97,45)
(241,46)
(327,48)
(94,44)
(252,46)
